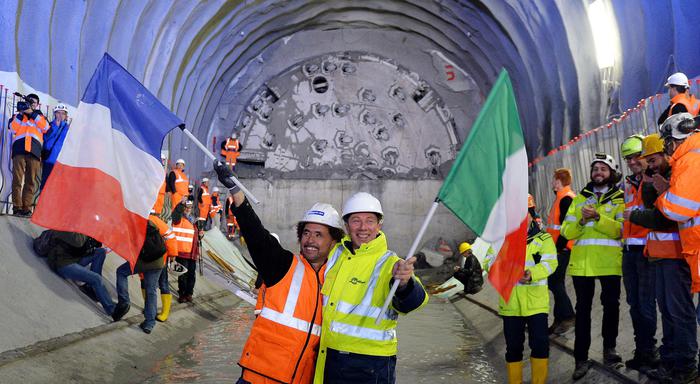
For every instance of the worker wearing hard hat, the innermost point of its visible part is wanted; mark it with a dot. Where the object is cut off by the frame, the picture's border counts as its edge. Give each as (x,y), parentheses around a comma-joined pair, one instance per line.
(358,279)
(564,316)
(680,197)
(216,207)
(594,222)
(638,272)
(230,150)
(528,306)
(284,340)
(681,99)
(469,271)
(672,276)
(204,201)
(53,140)
(177,183)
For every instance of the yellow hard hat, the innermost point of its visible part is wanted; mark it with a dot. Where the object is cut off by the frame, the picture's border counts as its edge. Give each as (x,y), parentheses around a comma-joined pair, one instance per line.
(464,247)
(652,144)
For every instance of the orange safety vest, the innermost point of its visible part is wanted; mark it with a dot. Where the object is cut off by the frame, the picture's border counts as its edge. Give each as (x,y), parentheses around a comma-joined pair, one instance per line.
(215,208)
(182,184)
(664,245)
(633,234)
(691,103)
(168,236)
(160,200)
(205,205)
(184,233)
(681,202)
(283,342)
(554,225)
(30,131)
(231,151)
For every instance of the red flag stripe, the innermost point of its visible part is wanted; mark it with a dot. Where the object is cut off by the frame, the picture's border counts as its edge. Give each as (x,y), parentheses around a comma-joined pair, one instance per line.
(510,262)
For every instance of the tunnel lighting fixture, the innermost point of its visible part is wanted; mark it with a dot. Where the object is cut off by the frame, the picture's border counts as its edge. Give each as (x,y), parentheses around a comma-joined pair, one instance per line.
(606,37)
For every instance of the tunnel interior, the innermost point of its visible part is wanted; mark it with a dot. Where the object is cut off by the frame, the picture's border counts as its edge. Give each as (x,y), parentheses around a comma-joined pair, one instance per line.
(208,61)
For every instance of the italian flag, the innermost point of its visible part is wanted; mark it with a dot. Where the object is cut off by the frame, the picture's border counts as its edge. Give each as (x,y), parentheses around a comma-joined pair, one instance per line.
(487,186)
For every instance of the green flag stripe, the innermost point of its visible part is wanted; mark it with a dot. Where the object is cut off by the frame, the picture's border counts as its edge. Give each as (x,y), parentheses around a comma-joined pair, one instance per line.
(475,183)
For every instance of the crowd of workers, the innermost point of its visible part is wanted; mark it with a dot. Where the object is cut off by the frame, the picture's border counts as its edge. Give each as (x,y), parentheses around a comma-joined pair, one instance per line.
(642,231)
(316,309)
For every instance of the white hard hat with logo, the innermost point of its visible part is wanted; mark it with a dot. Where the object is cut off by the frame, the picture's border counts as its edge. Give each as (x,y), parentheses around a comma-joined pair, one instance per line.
(678,78)
(678,126)
(215,189)
(362,202)
(322,213)
(605,159)
(205,180)
(60,107)
(180,161)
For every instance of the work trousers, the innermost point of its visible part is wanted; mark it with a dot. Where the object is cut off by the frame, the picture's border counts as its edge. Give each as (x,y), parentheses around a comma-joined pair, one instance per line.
(186,281)
(609,298)
(25,180)
(679,344)
(556,282)
(354,368)
(639,277)
(537,336)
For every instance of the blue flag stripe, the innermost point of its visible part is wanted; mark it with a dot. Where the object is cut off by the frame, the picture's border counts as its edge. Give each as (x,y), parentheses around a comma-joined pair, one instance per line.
(135,112)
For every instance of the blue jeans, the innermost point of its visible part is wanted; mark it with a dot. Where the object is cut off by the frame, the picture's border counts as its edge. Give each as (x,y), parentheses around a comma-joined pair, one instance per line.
(150,281)
(92,277)
(679,345)
(162,282)
(354,368)
(639,277)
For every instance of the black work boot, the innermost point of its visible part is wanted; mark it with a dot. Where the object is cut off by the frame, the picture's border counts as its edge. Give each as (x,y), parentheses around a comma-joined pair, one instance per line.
(120,310)
(610,357)
(581,369)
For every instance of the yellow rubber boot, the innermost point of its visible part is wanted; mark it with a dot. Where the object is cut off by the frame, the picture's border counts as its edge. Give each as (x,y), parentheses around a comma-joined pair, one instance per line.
(166,298)
(515,372)
(539,370)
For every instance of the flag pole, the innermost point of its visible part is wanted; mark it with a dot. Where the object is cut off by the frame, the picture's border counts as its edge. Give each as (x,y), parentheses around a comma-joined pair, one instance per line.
(210,155)
(411,252)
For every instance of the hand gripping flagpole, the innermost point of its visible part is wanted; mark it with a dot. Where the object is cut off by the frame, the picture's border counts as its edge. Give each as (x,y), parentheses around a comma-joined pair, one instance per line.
(411,252)
(210,155)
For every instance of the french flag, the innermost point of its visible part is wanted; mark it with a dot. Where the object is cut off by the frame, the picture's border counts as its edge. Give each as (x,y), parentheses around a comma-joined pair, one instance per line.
(108,173)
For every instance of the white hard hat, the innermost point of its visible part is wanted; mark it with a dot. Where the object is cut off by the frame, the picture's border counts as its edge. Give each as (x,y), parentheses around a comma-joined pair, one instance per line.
(678,126)
(362,202)
(180,161)
(176,268)
(205,180)
(322,213)
(234,135)
(605,159)
(215,189)
(678,78)
(60,107)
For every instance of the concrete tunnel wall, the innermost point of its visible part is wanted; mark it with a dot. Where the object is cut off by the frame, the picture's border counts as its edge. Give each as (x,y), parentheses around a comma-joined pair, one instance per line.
(209,60)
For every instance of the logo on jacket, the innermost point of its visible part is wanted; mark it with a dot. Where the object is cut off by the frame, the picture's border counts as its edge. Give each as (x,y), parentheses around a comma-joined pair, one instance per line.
(355,281)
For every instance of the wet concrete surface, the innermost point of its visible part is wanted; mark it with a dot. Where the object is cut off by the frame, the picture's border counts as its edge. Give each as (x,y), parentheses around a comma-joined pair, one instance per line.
(435,346)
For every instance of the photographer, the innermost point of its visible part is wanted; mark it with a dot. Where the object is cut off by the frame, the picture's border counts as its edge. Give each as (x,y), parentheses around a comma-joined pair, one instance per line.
(28,128)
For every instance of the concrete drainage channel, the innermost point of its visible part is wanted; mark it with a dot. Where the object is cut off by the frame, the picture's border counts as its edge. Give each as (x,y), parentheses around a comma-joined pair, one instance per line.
(112,352)
(481,316)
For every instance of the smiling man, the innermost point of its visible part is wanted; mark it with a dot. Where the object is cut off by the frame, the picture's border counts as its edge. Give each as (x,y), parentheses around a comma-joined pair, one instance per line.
(359,275)
(283,342)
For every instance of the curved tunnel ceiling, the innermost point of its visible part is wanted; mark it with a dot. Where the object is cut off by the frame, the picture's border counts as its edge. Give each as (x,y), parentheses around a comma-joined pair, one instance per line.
(208,60)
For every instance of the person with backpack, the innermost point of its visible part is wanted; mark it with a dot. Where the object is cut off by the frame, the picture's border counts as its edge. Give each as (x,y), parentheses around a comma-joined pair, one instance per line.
(69,254)
(160,243)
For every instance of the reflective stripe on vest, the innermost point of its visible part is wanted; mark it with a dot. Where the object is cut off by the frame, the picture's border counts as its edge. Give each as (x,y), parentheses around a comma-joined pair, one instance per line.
(286,317)
(329,264)
(663,245)
(695,221)
(367,310)
(635,241)
(601,242)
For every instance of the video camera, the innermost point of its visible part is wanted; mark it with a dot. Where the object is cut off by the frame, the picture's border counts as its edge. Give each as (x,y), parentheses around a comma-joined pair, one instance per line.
(24,103)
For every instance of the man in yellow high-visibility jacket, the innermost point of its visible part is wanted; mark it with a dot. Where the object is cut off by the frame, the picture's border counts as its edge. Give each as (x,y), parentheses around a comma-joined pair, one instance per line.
(359,275)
